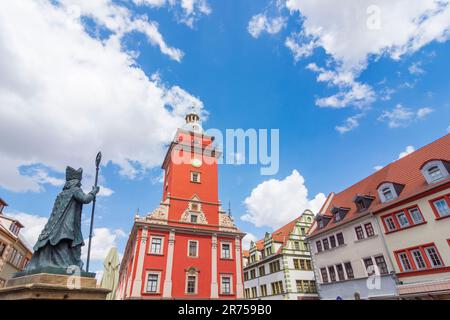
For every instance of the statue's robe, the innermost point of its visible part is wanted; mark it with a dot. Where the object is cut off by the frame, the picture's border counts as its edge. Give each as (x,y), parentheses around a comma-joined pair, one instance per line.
(59,244)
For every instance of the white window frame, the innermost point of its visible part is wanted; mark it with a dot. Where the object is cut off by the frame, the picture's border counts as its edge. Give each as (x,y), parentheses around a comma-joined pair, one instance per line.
(199,176)
(188,246)
(429,257)
(412,216)
(226,275)
(399,222)
(415,259)
(387,224)
(162,245)
(402,264)
(221,250)
(391,188)
(441,167)
(158,282)
(188,274)
(193,215)
(437,209)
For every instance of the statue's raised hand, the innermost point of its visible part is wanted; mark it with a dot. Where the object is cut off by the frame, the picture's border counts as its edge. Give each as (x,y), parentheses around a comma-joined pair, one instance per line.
(95,190)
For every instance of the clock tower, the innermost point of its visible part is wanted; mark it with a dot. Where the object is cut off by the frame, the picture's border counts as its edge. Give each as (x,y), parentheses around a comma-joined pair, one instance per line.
(188,247)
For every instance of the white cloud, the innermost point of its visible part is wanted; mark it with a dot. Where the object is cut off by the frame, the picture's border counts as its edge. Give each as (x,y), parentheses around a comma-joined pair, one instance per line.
(276,202)
(33,225)
(350,124)
(354,33)
(422,112)
(408,150)
(401,116)
(448,129)
(416,69)
(261,22)
(329,23)
(103,240)
(351,92)
(186,11)
(72,94)
(249,237)
(105,192)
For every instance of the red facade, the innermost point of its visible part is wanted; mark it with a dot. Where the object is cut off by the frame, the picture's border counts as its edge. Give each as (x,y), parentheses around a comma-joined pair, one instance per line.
(188,247)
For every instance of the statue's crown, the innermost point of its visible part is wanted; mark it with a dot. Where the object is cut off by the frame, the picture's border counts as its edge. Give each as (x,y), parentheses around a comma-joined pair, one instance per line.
(72,174)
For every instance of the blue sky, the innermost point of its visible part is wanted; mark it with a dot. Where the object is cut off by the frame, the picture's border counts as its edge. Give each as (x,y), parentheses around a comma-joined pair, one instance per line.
(119,76)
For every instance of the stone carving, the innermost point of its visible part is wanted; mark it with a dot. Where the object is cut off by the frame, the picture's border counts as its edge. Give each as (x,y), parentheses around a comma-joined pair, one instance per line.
(186,216)
(160,215)
(226,222)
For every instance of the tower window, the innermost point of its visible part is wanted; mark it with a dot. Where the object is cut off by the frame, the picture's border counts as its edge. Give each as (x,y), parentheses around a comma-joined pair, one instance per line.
(226,251)
(225,284)
(192,248)
(195,177)
(156,245)
(191,282)
(152,282)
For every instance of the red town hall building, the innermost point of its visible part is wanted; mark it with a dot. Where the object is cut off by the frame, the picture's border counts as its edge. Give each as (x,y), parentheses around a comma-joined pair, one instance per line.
(188,247)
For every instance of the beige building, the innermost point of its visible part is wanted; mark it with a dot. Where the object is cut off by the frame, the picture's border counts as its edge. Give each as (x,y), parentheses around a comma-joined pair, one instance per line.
(388,235)
(279,266)
(415,220)
(14,253)
(344,259)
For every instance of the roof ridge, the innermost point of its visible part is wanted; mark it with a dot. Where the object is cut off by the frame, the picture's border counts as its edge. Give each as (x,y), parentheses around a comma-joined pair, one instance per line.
(386,168)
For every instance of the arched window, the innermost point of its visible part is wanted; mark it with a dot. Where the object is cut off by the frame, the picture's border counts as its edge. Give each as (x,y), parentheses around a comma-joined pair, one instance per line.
(387,191)
(435,170)
(435,173)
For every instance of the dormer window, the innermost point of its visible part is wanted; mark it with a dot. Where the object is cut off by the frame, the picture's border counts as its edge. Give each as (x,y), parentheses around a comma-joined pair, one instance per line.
(339,213)
(363,202)
(388,191)
(435,173)
(322,221)
(435,170)
(14,228)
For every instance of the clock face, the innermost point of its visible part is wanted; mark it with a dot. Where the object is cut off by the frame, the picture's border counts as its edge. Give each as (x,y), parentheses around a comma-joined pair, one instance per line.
(196,162)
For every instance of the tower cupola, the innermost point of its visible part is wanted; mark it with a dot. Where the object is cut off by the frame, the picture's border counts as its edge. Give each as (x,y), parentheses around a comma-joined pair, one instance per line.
(193,122)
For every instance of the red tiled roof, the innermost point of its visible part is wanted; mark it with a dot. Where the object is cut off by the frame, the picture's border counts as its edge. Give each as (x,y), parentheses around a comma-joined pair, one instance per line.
(259,244)
(405,171)
(279,235)
(245,253)
(282,234)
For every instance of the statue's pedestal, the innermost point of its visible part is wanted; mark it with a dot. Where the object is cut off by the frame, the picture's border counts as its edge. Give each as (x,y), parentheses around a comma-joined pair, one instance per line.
(46,286)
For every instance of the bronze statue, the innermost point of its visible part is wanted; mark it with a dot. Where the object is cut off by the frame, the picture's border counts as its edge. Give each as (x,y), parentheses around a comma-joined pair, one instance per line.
(59,244)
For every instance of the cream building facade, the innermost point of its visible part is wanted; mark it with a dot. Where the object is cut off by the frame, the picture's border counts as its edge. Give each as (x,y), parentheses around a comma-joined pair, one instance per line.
(14,253)
(344,264)
(392,228)
(279,266)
